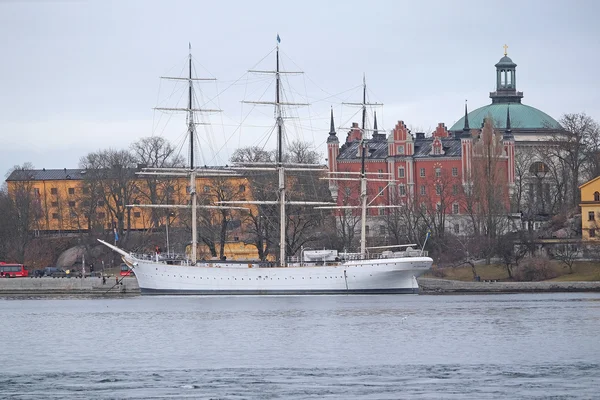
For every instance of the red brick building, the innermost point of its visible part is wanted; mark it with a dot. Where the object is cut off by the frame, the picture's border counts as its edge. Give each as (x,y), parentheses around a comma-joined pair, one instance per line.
(438,172)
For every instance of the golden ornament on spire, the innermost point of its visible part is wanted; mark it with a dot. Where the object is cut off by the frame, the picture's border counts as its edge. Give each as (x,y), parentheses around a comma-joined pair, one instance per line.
(505,47)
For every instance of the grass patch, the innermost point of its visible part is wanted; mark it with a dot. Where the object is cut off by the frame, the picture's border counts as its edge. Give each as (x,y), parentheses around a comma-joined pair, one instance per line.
(582,271)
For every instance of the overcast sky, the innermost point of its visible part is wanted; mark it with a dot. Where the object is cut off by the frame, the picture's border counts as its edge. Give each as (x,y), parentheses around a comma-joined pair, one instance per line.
(79,76)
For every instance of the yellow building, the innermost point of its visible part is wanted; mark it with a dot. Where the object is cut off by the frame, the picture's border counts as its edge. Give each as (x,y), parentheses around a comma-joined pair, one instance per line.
(590,209)
(70,200)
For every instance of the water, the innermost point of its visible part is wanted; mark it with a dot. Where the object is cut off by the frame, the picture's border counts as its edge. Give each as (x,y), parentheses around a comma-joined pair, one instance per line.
(526,346)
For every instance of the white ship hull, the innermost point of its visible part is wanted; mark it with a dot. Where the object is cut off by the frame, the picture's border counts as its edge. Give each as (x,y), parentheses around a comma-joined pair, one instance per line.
(394,275)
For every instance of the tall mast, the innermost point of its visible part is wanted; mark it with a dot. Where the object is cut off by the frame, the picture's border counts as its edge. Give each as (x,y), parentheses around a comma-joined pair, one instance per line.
(191,134)
(279,164)
(191,128)
(191,125)
(363,176)
(280,168)
(363,169)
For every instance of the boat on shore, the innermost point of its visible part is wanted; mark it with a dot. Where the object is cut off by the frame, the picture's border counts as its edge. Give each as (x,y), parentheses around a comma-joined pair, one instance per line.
(316,272)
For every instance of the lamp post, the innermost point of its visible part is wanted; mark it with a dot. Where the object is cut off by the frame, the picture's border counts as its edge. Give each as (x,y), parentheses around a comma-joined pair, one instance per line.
(540,173)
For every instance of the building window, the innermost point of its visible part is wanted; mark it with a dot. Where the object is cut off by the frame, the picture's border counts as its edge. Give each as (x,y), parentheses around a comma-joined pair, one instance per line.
(592,232)
(402,190)
(100,203)
(456,228)
(54,204)
(454,208)
(347,190)
(71,190)
(54,215)
(71,204)
(422,172)
(86,190)
(438,190)
(136,214)
(382,211)
(380,192)
(136,201)
(454,171)
(382,229)
(591,216)
(401,172)
(380,173)
(242,188)
(423,191)
(206,189)
(73,214)
(438,172)
(438,207)
(101,215)
(454,189)
(596,196)
(367,229)
(400,149)
(53,190)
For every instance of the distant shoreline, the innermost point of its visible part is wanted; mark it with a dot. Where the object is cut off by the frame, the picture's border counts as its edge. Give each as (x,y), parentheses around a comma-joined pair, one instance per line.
(446,286)
(93,287)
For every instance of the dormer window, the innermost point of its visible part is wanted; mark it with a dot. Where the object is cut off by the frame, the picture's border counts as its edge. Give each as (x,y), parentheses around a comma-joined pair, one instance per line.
(596,196)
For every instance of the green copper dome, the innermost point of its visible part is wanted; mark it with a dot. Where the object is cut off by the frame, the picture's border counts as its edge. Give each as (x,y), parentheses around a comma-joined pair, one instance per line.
(521,117)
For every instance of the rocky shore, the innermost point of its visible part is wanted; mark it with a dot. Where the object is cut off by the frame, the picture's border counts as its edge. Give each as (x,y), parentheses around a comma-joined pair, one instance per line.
(128,286)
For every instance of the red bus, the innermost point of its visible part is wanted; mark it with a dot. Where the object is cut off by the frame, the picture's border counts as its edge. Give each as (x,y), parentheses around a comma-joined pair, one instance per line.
(126,271)
(12,270)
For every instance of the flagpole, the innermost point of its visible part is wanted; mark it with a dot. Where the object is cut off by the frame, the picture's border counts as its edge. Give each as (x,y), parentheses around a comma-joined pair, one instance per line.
(426,237)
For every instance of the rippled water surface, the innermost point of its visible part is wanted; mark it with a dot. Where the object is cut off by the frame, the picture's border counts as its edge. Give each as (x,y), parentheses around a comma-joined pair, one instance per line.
(527,346)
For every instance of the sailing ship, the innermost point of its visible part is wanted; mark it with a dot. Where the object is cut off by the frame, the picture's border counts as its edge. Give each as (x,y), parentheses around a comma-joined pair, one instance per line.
(315,272)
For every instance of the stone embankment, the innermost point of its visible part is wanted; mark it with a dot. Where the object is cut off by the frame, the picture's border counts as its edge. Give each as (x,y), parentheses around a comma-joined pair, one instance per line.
(91,286)
(444,286)
(128,286)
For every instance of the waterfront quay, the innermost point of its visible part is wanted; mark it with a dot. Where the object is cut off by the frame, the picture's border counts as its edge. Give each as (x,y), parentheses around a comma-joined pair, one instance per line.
(94,286)
(89,286)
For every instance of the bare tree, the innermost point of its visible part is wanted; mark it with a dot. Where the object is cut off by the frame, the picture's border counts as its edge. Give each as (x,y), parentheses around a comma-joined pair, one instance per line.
(486,197)
(114,173)
(156,152)
(216,223)
(571,147)
(252,154)
(24,202)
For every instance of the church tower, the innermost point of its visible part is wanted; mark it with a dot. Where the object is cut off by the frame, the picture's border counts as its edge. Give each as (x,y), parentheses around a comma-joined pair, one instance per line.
(333,150)
(466,142)
(506,82)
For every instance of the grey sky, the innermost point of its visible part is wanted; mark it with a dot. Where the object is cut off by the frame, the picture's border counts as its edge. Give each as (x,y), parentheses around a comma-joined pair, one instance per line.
(78,76)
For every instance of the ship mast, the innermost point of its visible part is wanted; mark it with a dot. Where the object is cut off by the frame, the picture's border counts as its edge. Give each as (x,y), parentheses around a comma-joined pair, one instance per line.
(192,137)
(280,168)
(363,173)
(363,176)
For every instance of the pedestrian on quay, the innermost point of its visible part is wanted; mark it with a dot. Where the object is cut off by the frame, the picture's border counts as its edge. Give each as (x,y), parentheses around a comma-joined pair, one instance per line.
(103,279)
(117,280)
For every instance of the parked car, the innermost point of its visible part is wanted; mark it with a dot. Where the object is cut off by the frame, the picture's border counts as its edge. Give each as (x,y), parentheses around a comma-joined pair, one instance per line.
(53,271)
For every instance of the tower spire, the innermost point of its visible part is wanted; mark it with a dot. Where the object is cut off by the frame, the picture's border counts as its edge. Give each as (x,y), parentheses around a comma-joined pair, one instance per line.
(508,132)
(375,132)
(466,127)
(332,127)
